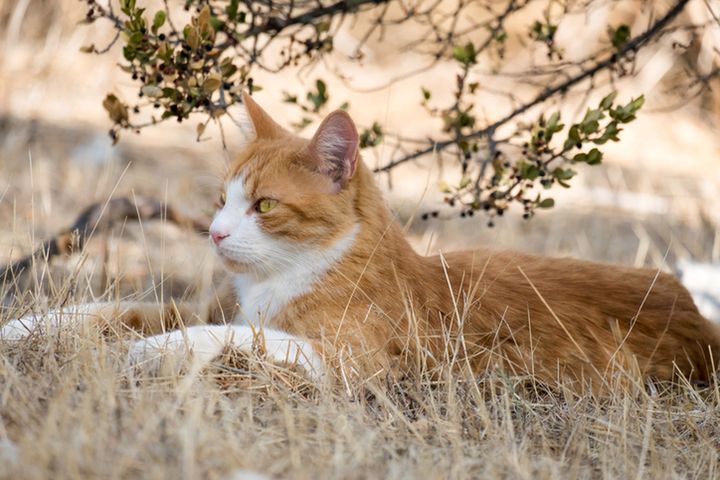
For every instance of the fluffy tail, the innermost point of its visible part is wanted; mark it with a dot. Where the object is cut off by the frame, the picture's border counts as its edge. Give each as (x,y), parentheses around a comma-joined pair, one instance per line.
(109,317)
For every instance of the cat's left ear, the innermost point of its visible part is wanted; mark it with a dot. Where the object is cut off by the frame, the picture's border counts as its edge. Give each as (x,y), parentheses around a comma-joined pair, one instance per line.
(335,147)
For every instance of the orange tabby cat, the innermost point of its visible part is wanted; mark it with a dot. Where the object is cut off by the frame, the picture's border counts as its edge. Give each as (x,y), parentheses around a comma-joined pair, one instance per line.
(320,266)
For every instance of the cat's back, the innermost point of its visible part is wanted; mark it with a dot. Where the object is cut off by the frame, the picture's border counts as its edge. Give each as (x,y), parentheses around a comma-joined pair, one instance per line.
(571,304)
(615,288)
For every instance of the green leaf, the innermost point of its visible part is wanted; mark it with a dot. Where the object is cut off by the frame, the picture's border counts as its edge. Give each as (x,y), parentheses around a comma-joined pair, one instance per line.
(232,9)
(135,38)
(589,127)
(594,157)
(573,137)
(546,203)
(593,115)
(580,158)
(212,82)
(608,101)
(553,121)
(563,174)
(465,54)
(620,36)
(528,171)
(636,104)
(158,20)
(289,98)
(129,53)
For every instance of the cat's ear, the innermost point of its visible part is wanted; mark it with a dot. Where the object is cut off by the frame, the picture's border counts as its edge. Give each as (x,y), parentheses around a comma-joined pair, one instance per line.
(257,123)
(335,147)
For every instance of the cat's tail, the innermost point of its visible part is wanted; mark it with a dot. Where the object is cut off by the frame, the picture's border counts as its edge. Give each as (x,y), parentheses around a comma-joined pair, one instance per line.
(108,317)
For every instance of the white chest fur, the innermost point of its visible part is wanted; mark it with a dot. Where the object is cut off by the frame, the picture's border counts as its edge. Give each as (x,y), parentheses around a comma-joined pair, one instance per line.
(262,298)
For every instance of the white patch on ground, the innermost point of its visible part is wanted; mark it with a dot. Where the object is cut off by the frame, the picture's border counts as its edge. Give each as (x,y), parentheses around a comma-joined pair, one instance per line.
(9,453)
(703,282)
(244,474)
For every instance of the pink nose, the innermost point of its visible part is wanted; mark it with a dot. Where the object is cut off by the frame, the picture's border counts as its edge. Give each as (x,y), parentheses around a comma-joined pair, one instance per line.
(218,237)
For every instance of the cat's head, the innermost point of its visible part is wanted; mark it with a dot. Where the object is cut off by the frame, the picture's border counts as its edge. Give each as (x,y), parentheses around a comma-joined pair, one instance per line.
(287,200)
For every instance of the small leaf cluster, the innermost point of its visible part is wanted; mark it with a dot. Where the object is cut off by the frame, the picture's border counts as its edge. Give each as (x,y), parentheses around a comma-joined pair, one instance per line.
(544,161)
(372,136)
(196,68)
(544,32)
(314,104)
(620,36)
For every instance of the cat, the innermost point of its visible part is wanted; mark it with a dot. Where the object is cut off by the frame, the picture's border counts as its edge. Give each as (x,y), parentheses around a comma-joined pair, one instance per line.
(321,275)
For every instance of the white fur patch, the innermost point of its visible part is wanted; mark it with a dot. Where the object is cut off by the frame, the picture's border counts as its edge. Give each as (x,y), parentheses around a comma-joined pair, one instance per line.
(242,119)
(204,343)
(280,270)
(54,320)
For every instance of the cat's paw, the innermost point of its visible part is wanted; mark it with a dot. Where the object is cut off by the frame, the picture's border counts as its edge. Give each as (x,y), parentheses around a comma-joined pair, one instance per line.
(16,330)
(173,352)
(157,354)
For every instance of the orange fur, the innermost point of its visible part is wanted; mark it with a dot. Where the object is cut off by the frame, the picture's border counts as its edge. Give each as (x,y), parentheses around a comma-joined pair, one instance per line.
(384,307)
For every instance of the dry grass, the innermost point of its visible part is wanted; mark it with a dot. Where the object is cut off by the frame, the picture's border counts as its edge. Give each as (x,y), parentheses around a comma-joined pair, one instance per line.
(70,408)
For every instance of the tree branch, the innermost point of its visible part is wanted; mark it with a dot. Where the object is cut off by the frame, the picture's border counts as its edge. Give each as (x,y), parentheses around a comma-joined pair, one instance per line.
(274,24)
(101,217)
(631,46)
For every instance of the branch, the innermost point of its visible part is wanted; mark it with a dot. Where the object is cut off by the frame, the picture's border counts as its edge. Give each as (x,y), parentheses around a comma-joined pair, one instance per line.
(631,46)
(101,217)
(274,24)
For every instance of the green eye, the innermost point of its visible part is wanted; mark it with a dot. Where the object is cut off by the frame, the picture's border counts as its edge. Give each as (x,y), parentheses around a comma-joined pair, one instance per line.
(264,205)
(222,199)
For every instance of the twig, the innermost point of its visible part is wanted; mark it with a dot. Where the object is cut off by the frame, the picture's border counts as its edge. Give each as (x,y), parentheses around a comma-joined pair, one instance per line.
(631,46)
(92,219)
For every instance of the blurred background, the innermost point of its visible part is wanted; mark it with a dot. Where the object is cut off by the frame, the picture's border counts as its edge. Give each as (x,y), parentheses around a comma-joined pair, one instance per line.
(655,200)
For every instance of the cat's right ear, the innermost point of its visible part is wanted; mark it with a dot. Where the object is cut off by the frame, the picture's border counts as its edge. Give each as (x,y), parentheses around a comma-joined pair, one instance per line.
(256,123)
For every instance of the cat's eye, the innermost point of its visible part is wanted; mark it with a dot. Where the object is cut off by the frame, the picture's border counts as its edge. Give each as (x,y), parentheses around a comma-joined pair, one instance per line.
(264,205)
(222,199)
